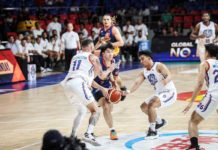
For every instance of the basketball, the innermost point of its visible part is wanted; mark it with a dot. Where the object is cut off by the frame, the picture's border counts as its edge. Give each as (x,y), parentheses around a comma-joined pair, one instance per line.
(114,96)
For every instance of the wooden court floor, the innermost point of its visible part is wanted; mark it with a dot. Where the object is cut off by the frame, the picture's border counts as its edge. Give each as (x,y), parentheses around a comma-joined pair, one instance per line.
(26,115)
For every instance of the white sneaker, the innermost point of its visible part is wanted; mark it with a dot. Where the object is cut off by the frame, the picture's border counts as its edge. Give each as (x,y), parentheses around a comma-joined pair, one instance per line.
(90,138)
(42,69)
(49,69)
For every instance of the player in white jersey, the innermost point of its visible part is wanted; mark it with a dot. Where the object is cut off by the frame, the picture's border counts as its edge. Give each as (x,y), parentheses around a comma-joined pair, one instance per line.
(204,33)
(84,66)
(208,71)
(159,77)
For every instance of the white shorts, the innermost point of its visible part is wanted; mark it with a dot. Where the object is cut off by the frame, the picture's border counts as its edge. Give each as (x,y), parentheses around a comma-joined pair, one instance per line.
(80,89)
(208,104)
(167,97)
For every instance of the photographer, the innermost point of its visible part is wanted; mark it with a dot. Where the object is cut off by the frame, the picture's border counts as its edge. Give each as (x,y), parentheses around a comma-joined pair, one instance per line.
(53,140)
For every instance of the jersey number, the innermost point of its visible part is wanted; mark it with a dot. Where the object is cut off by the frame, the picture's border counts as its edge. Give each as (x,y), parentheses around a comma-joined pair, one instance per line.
(76,64)
(216,76)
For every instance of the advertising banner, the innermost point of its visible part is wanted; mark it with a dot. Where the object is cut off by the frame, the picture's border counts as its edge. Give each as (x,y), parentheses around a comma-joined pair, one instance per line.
(9,68)
(174,49)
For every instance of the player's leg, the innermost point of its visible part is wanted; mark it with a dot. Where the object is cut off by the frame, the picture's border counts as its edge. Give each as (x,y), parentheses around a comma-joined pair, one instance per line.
(193,129)
(107,109)
(203,110)
(81,112)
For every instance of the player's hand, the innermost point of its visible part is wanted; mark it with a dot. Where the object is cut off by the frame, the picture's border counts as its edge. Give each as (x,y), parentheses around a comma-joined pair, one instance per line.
(201,36)
(105,92)
(112,67)
(126,92)
(187,108)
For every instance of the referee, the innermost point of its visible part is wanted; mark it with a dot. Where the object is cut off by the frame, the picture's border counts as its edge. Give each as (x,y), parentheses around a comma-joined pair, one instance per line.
(70,42)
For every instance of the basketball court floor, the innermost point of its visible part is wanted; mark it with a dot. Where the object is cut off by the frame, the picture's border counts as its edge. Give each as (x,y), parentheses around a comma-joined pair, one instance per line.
(28,110)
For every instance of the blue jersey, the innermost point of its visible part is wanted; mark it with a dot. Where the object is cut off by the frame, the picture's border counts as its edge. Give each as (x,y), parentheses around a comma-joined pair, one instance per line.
(106,82)
(107,35)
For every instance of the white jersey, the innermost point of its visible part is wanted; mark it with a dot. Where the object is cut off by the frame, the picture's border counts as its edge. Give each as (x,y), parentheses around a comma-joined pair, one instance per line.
(208,31)
(212,76)
(81,67)
(156,79)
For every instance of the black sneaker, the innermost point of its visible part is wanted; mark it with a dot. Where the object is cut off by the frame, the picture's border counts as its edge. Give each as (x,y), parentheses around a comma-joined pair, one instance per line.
(151,135)
(164,122)
(90,138)
(194,148)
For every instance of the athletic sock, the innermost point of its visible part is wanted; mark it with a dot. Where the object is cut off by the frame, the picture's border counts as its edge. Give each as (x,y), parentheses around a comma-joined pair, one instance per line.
(152,126)
(90,129)
(159,120)
(112,129)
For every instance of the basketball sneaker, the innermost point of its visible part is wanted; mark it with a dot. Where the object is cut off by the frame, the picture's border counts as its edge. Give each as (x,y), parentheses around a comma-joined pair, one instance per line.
(90,138)
(151,135)
(164,122)
(113,135)
(194,148)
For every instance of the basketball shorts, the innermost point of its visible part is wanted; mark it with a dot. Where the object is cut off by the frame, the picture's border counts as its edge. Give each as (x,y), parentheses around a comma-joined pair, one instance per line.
(200,50)
(80,89)
(97,95)
(208,104)
(167,97)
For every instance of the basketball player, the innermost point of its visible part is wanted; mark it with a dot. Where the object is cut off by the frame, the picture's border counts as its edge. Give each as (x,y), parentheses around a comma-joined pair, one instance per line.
(79,81)
(110,33)
(106,61)
(208,71)
(159,77)
(204,33)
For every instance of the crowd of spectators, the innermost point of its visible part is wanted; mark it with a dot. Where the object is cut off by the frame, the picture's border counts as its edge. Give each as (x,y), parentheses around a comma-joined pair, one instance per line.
(43,38)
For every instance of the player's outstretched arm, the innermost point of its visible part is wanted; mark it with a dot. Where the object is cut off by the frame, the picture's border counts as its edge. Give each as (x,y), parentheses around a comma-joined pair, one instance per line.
(200,81)
(139,80)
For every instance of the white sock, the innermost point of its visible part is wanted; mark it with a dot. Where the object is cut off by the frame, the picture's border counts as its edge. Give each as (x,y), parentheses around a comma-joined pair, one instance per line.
(112,129)
(90,129)
(159,120)
(152,126)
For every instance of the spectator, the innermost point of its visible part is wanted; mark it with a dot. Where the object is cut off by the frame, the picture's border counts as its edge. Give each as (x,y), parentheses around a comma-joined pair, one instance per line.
(83,31)
(96,29)
(13,46)
(166,17)
(19,55)
(54,25)
(18,40)
(140,37)
(40,55)
(129,28)
(127,48)
(93,37)
(141,27)
(38,30)
(1,46)
(164,32)
(44,41)
(70,42)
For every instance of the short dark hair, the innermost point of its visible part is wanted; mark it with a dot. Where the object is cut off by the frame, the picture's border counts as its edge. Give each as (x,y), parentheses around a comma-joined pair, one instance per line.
(86,42)
(206,13)
(106,46)
(212,49)
(52,139)
(146,53)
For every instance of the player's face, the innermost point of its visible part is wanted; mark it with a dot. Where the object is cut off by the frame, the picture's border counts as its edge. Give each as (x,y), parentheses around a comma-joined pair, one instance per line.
(108,54)
(144,60)
(206,17)
(107,21)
